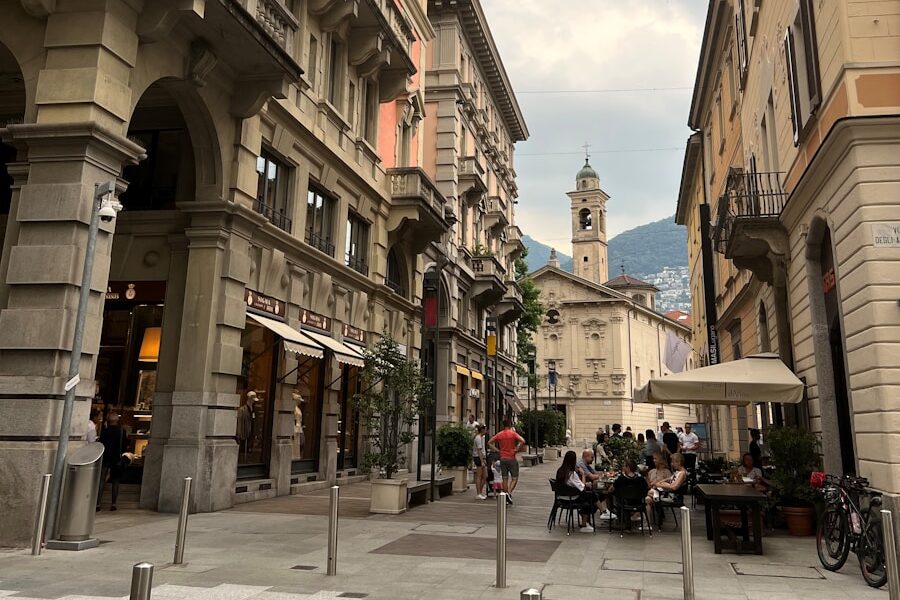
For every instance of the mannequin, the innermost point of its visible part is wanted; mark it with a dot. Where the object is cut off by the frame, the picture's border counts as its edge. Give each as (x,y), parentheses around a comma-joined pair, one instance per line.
(246,414)
(299,437)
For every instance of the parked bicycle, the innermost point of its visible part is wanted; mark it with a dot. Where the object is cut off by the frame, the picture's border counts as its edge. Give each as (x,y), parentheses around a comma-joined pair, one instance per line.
(852,521)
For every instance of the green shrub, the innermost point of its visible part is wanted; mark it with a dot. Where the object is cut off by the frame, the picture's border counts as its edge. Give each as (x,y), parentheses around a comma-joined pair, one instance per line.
(621,449)
(550,425)
(795,454)
(454,445)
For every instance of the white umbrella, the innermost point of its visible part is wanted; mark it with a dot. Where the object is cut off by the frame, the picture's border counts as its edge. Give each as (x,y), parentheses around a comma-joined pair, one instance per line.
(757,378)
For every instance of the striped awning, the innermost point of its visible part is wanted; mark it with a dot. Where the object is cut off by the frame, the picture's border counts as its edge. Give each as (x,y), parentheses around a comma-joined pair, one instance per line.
(295,341)
(342,352)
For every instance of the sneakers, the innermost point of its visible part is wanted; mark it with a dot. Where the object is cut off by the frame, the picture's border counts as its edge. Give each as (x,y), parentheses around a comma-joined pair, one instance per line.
(480,497)
(605,515)
(587,529)
(509,500)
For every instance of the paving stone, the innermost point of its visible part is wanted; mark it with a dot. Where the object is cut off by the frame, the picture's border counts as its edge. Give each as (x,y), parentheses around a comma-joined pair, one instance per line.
(776,570)
(578,592)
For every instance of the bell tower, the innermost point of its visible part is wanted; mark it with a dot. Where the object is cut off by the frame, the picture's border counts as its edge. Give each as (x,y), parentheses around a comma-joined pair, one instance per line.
(588,202)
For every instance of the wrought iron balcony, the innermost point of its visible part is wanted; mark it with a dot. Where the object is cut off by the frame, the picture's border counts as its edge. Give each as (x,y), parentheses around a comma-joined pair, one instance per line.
(275,217)
(748,228)
(419,213)
(319,242)
(489,285)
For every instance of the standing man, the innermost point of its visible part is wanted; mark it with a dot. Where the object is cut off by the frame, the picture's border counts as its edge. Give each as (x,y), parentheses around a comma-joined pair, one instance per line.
(669,438)
(90,430)
(472,424)
(507,443)
(616,430)
(756,449)
(479,458)
(113,439)
(690,445)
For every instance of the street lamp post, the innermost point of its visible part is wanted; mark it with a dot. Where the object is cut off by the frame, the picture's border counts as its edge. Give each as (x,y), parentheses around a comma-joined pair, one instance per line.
(102,208)
(491,346)
(532,355)
(551,381)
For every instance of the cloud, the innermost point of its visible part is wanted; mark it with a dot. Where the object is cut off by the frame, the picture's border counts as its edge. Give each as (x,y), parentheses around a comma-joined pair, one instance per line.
(552,45)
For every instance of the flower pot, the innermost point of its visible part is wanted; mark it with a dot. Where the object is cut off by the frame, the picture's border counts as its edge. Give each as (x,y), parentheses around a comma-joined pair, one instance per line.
(460,479)
(800,519)
(388,496)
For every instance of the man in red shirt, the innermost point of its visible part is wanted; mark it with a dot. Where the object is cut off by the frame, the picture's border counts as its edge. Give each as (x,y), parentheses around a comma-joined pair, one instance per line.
(507,443)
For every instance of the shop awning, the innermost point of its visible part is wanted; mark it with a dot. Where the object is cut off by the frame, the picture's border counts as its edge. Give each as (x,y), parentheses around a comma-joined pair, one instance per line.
(757,378)
(512,400)
(463,371)
(477,375)
(295,341)
(342,352)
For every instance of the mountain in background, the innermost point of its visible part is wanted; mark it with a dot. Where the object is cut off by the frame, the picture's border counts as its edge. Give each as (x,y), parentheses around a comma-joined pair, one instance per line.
(655,252)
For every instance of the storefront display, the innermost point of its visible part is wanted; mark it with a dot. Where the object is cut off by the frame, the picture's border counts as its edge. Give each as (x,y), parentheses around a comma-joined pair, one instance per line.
(256,389)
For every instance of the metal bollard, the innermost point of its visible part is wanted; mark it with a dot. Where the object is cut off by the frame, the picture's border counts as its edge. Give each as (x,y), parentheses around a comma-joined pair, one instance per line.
(530,594)
(182,521)
(333,498)
(501,541)
(40,521)
(892,562)
(141,581)
(687,557)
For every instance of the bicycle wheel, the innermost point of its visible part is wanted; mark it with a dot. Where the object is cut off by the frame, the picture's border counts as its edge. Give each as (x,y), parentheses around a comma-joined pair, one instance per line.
(833,539)
(871,554)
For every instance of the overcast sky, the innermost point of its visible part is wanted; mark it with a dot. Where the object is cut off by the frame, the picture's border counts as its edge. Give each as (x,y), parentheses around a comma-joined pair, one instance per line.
(568,45)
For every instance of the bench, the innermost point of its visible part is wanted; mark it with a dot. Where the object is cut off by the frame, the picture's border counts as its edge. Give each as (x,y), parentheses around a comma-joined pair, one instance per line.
(529,460)
(444,485)
(417,492)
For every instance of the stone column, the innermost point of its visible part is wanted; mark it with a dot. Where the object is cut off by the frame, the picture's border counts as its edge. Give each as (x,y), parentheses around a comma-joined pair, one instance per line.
(44,260)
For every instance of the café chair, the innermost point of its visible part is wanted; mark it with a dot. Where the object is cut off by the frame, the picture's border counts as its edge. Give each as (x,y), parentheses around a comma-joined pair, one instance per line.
(628,501)
(672,502)
(565,499)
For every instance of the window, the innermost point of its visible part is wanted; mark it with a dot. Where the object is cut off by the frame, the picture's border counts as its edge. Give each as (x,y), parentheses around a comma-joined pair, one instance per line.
(765,342)
(405,141)
(734,332)
(357,244)
(802,64)
(585,259)
(320,220)
(640,299)
(272,190)
(769,137)
(313,64)
(370,112)
(740,26)
(396,275)
(351,105)
(585,221)
(637,377)
(335,73)
(733,92)
(720,121)
(464,223)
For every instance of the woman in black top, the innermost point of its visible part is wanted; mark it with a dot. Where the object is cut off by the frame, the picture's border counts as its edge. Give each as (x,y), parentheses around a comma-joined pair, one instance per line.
(113,439)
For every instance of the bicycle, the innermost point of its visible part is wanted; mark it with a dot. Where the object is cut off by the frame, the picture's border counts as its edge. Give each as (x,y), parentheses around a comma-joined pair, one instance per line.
(848,524)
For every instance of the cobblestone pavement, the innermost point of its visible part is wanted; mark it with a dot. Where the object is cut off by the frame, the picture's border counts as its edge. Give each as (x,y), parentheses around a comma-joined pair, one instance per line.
(275,550)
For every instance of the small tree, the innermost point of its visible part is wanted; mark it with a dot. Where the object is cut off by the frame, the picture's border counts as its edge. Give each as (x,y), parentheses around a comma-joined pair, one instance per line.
(795,453)
(395,394)
(454,445)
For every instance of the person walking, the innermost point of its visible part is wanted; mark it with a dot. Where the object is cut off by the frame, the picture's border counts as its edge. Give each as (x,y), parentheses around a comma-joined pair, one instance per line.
(90,428)
(507,443)
(479,458)
(113,439)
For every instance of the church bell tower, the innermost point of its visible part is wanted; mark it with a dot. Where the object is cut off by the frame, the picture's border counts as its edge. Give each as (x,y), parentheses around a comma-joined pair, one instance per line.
(588,202)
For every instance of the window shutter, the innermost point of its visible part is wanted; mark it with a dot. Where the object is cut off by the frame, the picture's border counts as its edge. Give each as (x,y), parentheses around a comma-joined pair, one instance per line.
(810,48)
(790,56)
(741,32)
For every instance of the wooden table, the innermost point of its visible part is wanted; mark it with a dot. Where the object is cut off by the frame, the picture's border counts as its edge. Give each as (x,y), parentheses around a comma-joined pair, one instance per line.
(747,499)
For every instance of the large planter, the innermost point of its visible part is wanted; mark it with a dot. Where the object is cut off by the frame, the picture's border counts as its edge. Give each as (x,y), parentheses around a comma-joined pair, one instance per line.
(460,479)
(800,519)
(551,453)
(388,496)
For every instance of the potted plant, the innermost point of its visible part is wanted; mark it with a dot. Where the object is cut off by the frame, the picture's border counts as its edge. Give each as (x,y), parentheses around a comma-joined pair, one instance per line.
(454,447)
(795,454)
(394,396)
(620,449)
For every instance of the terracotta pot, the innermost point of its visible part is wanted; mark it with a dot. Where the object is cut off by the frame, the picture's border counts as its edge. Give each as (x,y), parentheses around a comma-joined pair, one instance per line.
(388,496)
(800,519)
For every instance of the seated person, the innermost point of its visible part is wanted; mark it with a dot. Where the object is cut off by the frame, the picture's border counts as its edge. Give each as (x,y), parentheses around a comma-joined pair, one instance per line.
(748,471)
(660,472)
(586,466)
(568,475)
(631,480)
(669,486)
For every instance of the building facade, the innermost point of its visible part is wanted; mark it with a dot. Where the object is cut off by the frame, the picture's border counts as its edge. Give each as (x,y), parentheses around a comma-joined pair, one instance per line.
(602,338)
(802,213)
(473,125)
(280,212)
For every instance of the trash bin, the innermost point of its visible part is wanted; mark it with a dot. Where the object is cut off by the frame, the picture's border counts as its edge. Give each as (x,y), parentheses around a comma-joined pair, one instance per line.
(79,496)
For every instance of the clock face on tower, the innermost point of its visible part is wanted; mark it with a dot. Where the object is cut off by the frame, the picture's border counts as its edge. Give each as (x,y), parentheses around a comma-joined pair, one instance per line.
(553,316)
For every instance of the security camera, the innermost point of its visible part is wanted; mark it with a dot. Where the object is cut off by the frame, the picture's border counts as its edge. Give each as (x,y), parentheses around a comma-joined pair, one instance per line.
(109,209)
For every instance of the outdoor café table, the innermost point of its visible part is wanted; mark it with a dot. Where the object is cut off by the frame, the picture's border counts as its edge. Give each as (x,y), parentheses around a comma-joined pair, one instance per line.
(747,499)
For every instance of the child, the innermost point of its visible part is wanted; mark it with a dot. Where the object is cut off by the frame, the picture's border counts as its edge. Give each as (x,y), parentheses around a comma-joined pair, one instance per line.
(497,478)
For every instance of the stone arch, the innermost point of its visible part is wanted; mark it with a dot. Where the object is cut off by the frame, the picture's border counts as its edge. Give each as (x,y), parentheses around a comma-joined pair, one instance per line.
(200,125)
(397,272)
(21,44)
(585,219)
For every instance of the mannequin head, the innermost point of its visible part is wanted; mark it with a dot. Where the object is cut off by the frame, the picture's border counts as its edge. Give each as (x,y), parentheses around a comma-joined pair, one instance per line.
(251,398)
(298,399)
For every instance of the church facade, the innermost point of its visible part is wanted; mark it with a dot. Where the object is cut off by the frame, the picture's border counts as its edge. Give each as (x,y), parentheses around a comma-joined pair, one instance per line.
(602,337)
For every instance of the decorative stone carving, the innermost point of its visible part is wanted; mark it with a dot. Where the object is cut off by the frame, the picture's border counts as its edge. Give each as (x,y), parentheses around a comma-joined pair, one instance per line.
(201,63)
(39,8)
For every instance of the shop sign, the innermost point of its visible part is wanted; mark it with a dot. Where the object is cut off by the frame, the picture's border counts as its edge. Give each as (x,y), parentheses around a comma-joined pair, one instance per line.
(660,413)
(828,281)
(136,291)
(263,303)
(311,319)
(886,235)
(354,333)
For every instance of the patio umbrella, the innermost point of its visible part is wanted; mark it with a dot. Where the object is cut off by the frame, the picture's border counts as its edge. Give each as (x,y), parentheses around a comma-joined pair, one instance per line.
(757,378)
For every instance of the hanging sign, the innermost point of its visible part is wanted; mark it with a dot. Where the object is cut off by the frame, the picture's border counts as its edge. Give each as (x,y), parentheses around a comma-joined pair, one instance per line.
(315,320)
(354,333)
(263,303)
(136,291)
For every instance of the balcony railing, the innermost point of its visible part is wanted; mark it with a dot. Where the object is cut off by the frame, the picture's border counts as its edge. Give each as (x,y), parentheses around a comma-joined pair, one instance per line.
(750,198)
(358,264)
(276,20)
(275,217)
(319,242)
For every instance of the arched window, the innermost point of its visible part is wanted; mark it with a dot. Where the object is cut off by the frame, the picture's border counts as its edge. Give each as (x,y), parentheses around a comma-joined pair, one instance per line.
(585,220)
(640,299)
(396,274)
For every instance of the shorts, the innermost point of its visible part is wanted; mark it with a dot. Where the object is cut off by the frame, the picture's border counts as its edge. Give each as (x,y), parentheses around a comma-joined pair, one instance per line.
(509,467)
(477,461)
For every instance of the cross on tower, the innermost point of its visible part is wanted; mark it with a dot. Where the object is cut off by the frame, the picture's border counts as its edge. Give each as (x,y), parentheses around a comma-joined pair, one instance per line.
(587,155)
